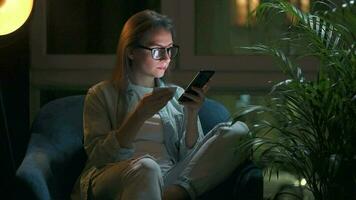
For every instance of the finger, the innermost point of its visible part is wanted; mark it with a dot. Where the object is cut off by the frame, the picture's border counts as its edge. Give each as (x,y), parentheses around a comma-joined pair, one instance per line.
(153,101)
(164,99)
(199,91)
(192,97)
(159,103)
(162,103)
(206,88)
(164,89)
(163,92)
(189,103)
(168,96)
(207,84)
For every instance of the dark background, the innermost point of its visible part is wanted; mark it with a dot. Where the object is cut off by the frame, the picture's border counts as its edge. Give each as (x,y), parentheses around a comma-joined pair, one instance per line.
(14,112)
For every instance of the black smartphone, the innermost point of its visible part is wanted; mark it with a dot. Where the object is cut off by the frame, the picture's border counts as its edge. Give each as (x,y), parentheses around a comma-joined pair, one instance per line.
(200,79)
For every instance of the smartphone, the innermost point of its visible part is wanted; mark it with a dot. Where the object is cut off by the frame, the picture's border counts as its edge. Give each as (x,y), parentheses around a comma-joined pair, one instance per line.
(200,79)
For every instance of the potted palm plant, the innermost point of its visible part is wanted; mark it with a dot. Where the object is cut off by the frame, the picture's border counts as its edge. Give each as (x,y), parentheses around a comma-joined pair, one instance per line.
(308,126)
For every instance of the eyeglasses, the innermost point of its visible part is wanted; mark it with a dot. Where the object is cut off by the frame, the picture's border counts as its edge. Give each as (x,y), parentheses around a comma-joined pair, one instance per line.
(160,53)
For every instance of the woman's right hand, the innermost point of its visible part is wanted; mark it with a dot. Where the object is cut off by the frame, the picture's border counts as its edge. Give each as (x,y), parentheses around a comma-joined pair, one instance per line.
(149,105)
(153,102)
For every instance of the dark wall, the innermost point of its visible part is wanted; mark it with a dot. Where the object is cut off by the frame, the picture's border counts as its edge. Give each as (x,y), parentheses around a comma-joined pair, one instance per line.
(14,111)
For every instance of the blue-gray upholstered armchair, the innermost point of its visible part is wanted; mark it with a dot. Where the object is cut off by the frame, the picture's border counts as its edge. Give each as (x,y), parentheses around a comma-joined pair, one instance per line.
(55,154)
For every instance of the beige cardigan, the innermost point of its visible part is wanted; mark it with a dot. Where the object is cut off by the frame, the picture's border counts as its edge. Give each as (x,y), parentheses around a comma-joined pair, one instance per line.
(100,123)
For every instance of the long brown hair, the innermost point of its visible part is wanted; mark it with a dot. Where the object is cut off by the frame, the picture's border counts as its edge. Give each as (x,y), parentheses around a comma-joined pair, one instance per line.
(131,35)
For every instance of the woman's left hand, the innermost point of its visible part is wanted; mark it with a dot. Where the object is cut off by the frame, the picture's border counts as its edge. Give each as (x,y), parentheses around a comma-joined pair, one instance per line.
(197,101)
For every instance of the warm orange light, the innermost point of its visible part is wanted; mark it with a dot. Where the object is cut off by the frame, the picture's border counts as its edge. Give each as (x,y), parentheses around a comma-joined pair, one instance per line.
(13,14)
(243,8)
(252,6)
(241,12)
(303,5)
(2,2)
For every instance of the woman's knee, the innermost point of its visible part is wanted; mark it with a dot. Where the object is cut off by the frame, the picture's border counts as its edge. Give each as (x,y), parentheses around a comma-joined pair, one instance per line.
(233,137)
(229,139)
(148,166)
(235,131)
(240,128)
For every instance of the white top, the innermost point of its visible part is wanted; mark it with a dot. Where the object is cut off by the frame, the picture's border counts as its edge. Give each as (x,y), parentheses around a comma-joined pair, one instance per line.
(149,139)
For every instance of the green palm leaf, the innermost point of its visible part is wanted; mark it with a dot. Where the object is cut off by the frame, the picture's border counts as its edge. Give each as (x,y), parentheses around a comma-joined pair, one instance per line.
(309,126)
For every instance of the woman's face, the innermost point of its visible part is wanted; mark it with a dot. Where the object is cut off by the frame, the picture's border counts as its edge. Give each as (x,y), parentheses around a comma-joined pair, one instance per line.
(143,64)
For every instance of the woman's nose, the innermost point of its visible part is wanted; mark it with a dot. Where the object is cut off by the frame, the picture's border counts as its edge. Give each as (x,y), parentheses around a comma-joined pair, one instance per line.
(166,56)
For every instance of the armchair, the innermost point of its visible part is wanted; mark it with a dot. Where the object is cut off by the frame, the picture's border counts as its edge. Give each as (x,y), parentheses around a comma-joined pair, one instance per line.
(55,154)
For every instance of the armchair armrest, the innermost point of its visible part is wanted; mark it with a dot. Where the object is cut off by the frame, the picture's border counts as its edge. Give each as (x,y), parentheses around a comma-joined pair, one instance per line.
(47,172)
(35,171)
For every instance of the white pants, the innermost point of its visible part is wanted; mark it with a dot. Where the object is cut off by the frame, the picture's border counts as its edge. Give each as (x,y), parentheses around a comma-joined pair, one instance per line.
(213,160)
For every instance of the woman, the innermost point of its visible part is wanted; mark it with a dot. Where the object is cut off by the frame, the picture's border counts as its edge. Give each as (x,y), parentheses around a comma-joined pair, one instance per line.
(141,143)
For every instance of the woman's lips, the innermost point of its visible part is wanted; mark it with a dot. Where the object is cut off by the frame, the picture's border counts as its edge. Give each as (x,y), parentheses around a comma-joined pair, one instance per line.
(161,68)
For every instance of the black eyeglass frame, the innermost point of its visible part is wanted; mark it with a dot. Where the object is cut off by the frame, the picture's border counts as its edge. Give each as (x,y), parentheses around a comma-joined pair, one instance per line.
(167,50)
